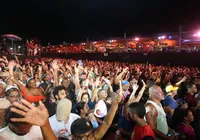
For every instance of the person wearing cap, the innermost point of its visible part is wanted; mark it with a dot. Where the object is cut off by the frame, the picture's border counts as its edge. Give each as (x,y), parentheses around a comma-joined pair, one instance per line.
(62,120)
(82,129)
(125,87)
(169,102)
(27,122)
(12,94)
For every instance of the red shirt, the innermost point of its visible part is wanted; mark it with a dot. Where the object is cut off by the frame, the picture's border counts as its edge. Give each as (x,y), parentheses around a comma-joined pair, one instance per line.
(142,131)
(190,100)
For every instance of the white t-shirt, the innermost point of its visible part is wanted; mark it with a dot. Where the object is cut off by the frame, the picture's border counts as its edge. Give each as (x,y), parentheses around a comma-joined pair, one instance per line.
(34,134)
(60,129)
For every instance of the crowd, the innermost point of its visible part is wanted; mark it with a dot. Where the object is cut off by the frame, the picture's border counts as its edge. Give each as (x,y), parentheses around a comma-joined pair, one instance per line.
(140,48)
(68,99)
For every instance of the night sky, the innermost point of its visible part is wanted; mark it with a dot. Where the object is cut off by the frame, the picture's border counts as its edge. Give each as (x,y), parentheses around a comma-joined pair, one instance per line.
(56,21)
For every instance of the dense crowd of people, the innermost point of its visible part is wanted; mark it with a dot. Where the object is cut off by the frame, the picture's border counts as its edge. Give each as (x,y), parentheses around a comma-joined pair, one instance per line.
(69,99)
(140,48)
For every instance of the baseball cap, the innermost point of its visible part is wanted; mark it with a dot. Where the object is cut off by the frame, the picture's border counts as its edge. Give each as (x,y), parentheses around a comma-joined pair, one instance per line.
(63,109)
(125,82)
(81,126)
(170,88)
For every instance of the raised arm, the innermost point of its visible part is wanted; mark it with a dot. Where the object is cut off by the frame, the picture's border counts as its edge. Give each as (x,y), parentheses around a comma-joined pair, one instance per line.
(141,92)
(40,73)
(19,85)
(55,72)
(101,130)
(35,116)
(76,79)
(181,81)
(120,75)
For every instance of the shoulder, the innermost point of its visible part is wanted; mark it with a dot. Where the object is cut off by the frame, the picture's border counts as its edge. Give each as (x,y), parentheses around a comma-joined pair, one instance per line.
(74,116)
(150,108)
(6,134)
(35,132)
(52,118)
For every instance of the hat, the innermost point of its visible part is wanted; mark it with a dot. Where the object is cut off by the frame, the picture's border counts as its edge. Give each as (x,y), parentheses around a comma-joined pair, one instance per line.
(3,84)
(171,88)
(63,110)
(11,87)
(125,82)
(80,62)
(81,126)
(100,109)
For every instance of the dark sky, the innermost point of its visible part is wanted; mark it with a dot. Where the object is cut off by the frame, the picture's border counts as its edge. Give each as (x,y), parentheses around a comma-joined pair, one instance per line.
(56,21)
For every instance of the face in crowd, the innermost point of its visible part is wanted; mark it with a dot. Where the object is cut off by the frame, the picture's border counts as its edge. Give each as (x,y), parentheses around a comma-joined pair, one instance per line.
(47,78)
(102,95)
(12,95)
(32,83)
(59,93)
(125,87)
(85,98)
(66,82)
(19,128)
(155,92)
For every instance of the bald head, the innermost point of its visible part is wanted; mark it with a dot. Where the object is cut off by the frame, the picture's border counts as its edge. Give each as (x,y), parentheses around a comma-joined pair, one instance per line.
(155,92)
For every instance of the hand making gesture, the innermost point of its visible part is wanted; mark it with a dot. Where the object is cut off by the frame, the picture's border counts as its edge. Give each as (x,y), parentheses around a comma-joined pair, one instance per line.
(33,115)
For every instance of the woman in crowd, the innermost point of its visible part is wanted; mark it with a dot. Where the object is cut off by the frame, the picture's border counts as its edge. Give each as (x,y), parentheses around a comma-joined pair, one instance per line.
(182,120)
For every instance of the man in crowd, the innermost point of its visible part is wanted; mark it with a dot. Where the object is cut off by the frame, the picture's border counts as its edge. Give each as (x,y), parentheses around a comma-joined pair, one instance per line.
(137,112)
(24,120)
(62,120)
(155,114)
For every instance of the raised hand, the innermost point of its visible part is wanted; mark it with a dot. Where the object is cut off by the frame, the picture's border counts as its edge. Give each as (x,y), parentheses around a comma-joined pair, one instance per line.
(96,70)
(68,67)
(97,82)
(11,64)
(120,91)
(143,83)
(183,79)
(135,87)
(31,68)
(125,70)
(55,65)
(76,69)
(33,115)
(5,74)
(43,63)
(40,68)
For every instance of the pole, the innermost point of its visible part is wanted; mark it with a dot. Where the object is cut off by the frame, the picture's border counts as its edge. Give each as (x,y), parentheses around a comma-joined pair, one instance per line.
(180,36)
(12,43)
